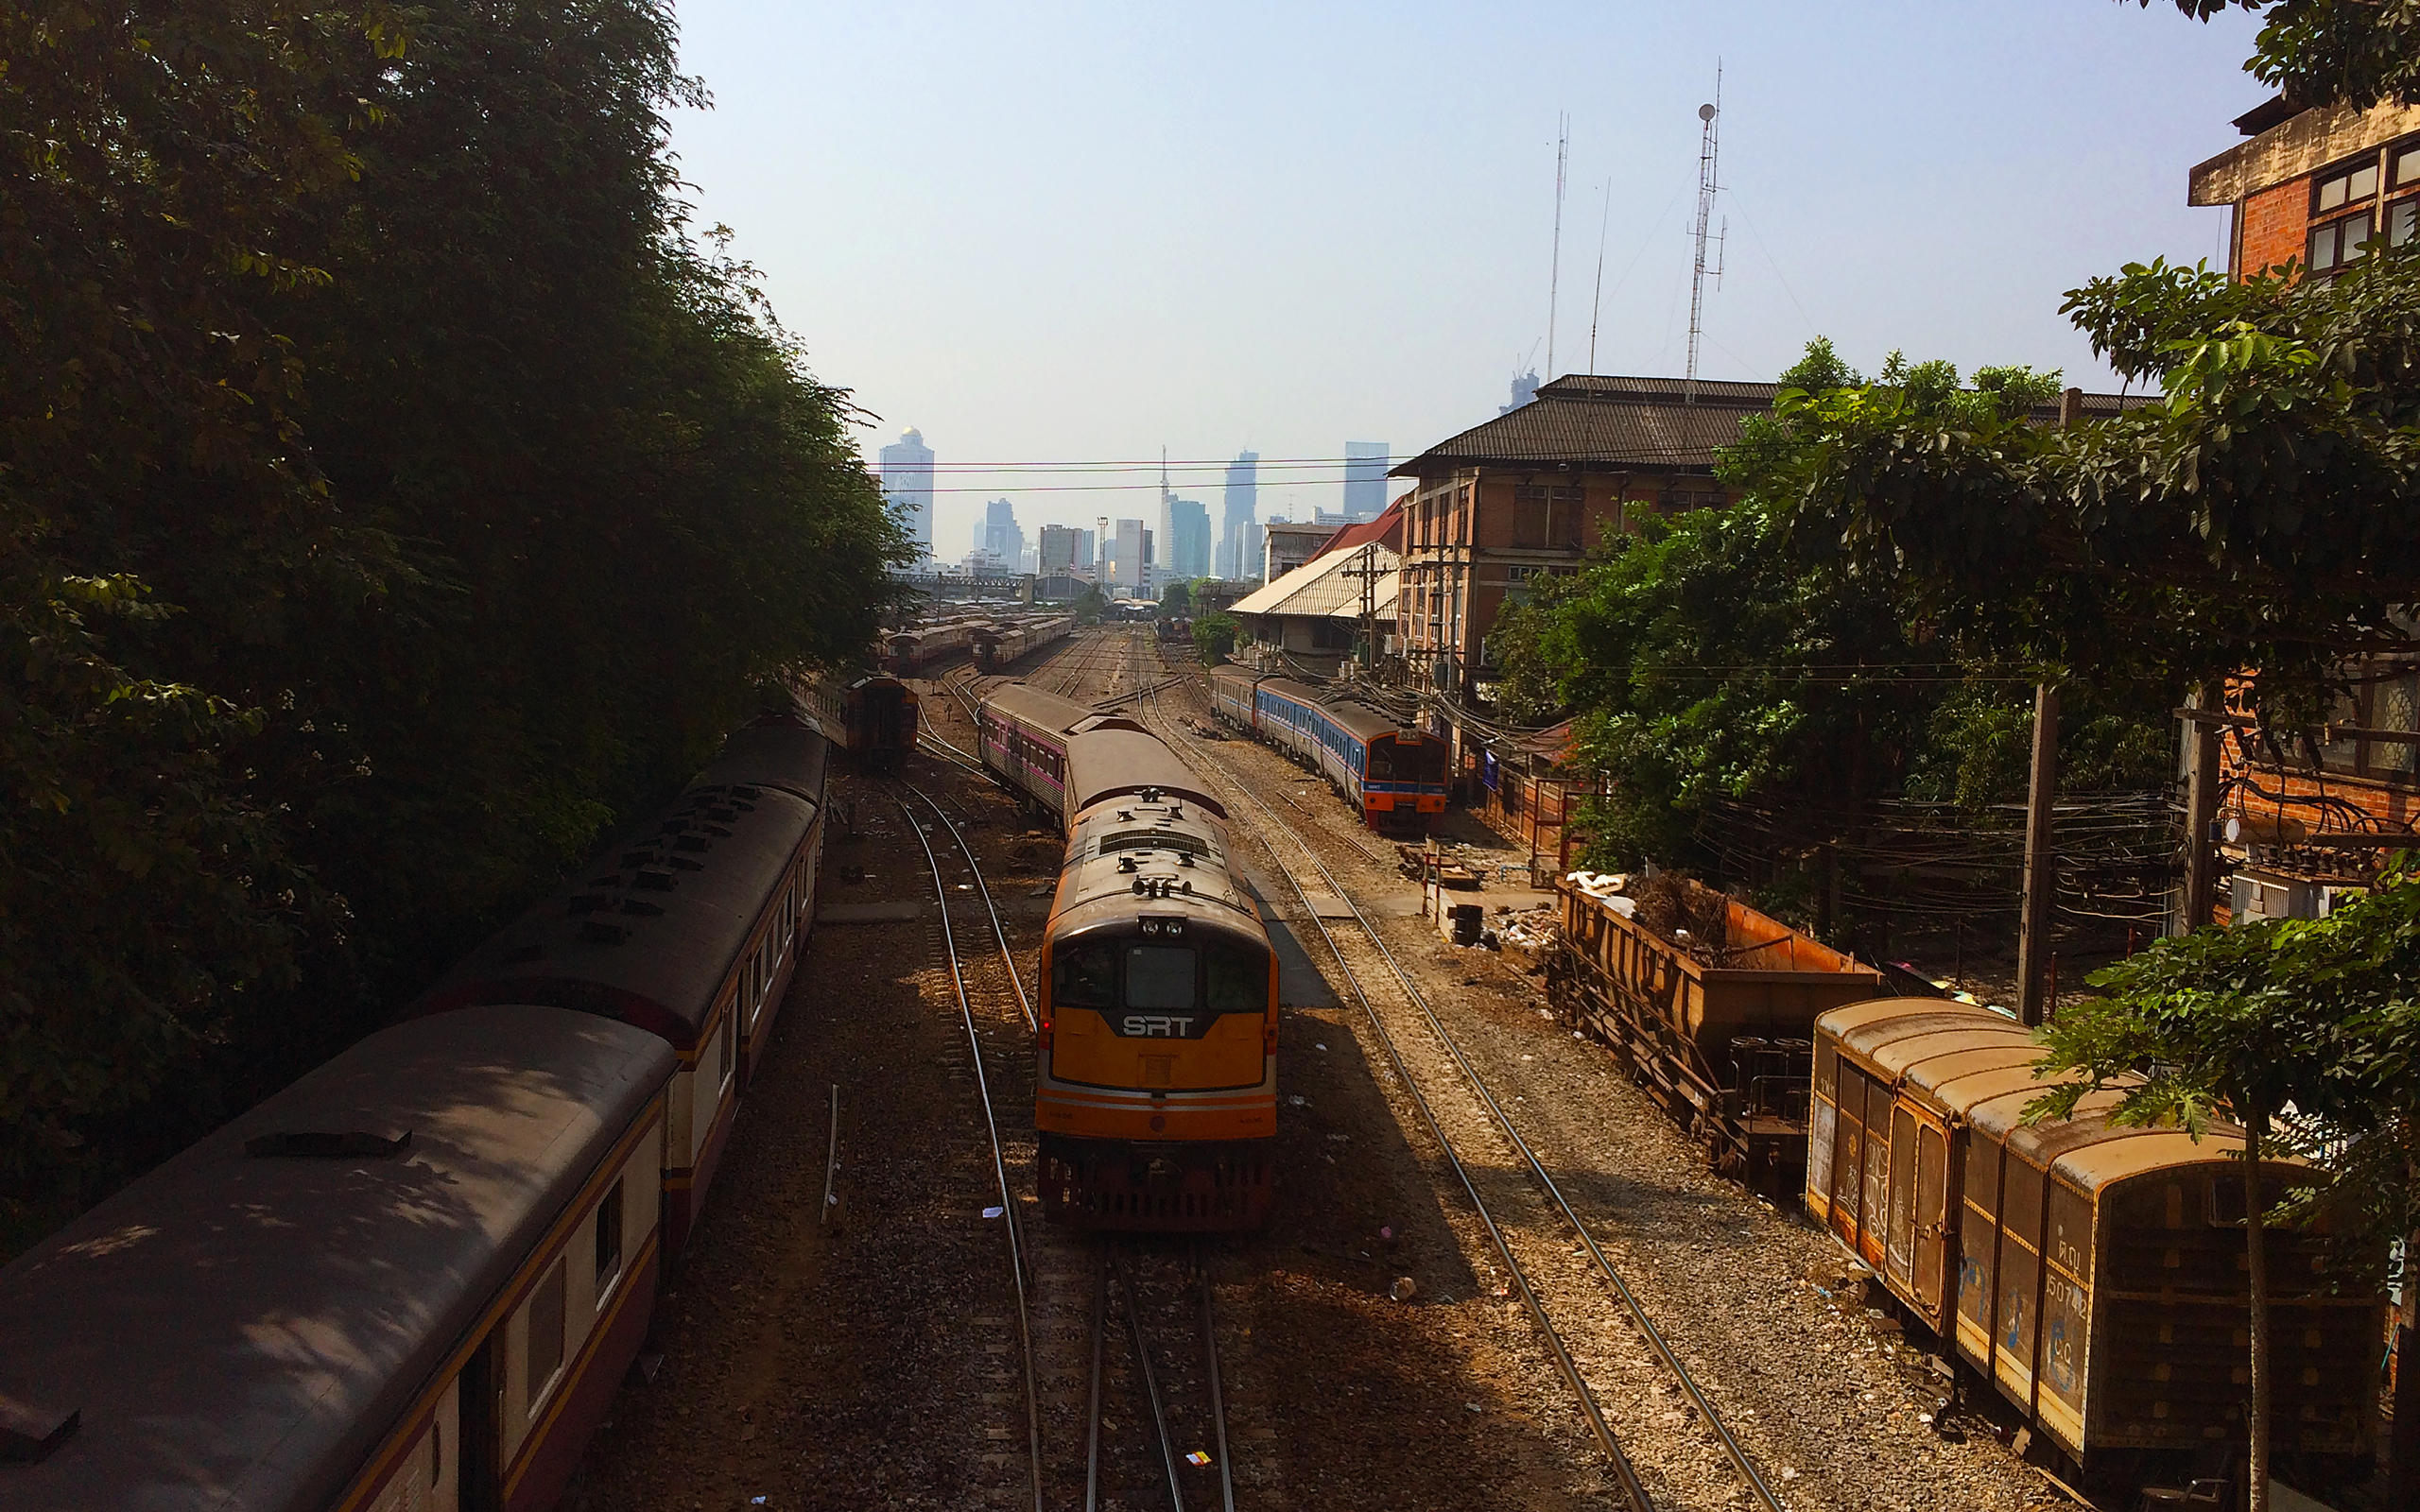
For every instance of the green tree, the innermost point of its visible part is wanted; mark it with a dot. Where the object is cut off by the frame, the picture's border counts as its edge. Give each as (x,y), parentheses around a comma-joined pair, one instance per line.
(1177,598)
(392,494)
(1091,605)
(2301,1032)
(1214,637)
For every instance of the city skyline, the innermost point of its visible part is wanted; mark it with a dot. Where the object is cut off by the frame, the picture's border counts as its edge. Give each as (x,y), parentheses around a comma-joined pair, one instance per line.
(1091,331)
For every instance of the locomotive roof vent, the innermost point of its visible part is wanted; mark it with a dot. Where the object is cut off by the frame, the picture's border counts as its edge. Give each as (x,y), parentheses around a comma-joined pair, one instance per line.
(1126,815)
(1151,795)
(1184,858)
(1125,863)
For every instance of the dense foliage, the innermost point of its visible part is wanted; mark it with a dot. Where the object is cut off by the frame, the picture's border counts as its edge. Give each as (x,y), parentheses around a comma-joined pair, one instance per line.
(1709,661)
(391,494)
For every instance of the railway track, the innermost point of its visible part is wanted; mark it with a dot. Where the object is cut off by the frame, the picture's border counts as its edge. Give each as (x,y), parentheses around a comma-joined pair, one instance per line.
(991,1120)
(1497,1116)
(1052,1266)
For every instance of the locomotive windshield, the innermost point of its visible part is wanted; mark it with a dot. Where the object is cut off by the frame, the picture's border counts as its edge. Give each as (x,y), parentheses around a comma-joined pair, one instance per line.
(1226,975)
(1159,976)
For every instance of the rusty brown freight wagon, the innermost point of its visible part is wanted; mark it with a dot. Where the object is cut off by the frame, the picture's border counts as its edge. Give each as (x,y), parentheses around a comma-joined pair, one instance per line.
(2094,1275)
(1723,1044)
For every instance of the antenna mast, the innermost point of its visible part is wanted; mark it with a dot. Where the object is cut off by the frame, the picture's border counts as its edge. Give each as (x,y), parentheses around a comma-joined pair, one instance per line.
(1554,278)
(1597,307)
(1709,146)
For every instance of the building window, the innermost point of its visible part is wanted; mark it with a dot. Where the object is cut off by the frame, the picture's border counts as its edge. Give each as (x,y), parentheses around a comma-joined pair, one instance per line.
(2346,186)
(2402,220)
(2406,164)
(546,1334)
(2338,243)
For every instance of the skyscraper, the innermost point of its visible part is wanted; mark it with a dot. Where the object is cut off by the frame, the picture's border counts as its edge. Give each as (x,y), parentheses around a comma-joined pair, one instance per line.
(1187,549)
(1239,535)
(1002,535)
(1060,547)
(907,484)
(1365,479)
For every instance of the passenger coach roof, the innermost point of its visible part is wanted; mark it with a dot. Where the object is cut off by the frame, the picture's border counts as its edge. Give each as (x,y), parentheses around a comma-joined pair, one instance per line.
(651,929)
(1035,707)
(238,1330)
(782,751)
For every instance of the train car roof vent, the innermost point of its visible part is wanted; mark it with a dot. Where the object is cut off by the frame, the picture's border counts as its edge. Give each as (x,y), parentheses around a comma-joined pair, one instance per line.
(657,880)
(1184,858)
(1126,815)
(30,1429)
(1176,812)
(375,1141)
(637,858)
(598,932)
(1125,863)
(1151,795)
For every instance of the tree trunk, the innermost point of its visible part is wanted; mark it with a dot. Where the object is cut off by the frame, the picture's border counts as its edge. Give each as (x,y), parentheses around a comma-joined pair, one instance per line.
(2255,1131)
(2403,1450)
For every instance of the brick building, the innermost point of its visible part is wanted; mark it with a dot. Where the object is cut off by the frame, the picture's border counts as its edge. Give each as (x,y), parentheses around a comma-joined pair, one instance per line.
(2315,186)
(2303,812)
(1525,495)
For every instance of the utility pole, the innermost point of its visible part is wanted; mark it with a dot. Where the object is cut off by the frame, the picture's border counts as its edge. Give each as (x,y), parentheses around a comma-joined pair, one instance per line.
(1709,149)
(2202,741)
(2041,798)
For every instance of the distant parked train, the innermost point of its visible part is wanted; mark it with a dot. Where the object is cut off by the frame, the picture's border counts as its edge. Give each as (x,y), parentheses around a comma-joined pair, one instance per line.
(1156,1064)
(908,652)
(1393,777)
(871,718)
(1000,644)
(2094,1275)
(416,1278)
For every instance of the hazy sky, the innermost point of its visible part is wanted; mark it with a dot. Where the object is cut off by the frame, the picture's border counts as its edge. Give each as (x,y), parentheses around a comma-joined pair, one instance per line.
(1055,233)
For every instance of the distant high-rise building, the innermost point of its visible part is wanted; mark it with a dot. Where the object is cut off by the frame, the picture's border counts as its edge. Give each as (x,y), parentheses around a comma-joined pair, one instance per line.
(1127,554)
(1002,537)
(1061,548)
(1365,479)
(907,484)
(1239,533)
(1524,390)
(1188,538)
(1085,544)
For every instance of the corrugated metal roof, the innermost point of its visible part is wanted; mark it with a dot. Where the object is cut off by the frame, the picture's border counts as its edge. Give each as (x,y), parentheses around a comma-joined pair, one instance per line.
(1601,423)
(1606,422)
(1323,586)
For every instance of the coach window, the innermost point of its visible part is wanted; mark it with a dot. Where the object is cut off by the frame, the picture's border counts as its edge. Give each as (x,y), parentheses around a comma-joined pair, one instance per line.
(546,1335)
(609,1241)
(1159,976)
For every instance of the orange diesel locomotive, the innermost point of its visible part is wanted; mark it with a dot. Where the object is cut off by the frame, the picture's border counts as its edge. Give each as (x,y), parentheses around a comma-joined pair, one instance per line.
(1157,1058)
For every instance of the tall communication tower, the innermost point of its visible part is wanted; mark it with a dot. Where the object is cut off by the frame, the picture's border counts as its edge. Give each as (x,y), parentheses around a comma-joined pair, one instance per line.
(1554,275)
(1709,146)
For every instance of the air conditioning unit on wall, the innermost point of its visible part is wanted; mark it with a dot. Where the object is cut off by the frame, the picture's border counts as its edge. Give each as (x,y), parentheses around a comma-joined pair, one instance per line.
(2255,892)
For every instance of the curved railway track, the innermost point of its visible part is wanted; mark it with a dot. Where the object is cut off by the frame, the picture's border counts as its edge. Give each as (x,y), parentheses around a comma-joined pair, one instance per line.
(991,1120)
(1055,1252)
(1754,1483)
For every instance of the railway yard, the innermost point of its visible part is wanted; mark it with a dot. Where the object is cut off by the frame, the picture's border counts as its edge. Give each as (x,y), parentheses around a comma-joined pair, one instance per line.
(1495,1274)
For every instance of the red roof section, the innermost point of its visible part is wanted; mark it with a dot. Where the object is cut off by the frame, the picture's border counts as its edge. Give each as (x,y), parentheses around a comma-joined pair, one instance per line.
(1387,530)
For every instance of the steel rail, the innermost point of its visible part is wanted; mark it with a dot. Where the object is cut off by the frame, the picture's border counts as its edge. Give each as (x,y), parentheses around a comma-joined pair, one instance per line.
(999,1161)
(1633,1490)
(1008,957)
(1092,1431)
(1217,1395)
(1150,1382)
(1731,1447)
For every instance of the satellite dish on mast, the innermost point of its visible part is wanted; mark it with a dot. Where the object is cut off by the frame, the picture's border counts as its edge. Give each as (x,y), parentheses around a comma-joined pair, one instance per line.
(1705,112)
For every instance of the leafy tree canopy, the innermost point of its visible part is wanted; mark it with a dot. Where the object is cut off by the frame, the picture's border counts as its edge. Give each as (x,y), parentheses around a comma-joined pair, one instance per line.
(393,493)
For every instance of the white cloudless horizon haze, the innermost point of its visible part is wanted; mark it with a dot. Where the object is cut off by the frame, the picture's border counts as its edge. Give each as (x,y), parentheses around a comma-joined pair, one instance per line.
(1085,231)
